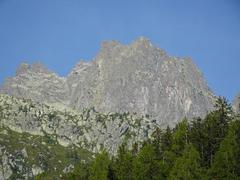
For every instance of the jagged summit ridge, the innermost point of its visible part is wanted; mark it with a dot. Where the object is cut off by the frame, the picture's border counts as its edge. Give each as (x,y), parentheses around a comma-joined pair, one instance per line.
(138,77)
(35,67)
(38,83)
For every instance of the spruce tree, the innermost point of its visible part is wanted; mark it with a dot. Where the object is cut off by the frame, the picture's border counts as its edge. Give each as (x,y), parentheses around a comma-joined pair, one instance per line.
(187,166)
(207,134)
(180,137)
(226,162)
(123,164)
(166,156)
(166,140)
(146,166)
(99,169)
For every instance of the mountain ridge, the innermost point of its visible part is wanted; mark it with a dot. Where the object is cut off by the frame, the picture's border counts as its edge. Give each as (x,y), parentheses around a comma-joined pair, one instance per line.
(138,77)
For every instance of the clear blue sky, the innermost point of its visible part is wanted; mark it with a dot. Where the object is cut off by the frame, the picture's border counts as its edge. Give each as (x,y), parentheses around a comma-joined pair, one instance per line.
(61,32)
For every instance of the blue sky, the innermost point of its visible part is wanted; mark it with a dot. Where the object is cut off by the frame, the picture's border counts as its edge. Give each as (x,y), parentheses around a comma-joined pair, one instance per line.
(59,33)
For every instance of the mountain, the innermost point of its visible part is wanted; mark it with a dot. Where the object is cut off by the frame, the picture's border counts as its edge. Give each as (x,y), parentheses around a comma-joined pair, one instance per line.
(37,83)
(136,78)
(48,123)
(88,129)
(37,138)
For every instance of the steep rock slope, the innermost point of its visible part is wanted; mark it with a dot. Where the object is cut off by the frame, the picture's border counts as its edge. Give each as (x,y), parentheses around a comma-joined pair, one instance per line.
(138,77)
(25,156)
(37,83)
(144,79)
(88,129)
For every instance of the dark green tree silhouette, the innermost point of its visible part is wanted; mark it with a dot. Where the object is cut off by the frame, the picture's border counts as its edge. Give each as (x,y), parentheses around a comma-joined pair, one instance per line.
(226,163)
(187,167)
(123,164)
(180,137)
(166,140)
(99,169)
(146,166)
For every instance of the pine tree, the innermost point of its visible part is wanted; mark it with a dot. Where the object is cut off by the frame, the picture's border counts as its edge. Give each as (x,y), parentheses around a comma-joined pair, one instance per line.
(198,138)
(80,172)
(123,164)
(99,169)
(135,148)
(224,110)
(226,162)
(166,140)
(163,151)
(214,129)
(180,137)
(156,141)
(146,166)
(187,166)
(207,134)
(172,144)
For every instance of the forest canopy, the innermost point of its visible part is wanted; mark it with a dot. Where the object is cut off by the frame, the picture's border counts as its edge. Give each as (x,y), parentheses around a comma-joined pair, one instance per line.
(204,148)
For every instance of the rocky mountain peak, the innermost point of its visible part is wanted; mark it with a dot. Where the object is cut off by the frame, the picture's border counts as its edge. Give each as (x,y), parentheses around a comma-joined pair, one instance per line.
(108,45)
(108,49)
(145,48)
(39,68)
(137,78)
(36,82)
(22,68)
(80,66)
(36,67)
(142,41)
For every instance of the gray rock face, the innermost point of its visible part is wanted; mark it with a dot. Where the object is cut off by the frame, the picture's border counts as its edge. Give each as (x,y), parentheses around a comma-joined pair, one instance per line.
(37,83)
(5,168)
(16,162)
(131,78)
(236,104)
(89,129)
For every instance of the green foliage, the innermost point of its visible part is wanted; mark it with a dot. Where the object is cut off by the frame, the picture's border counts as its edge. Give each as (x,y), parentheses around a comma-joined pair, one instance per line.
(162,143)
(166,140)
(207,134)
(50,157)
(187,166)
(157,136)
(227,161)
(224,108)
(99,169)
(207,148)
(81,172)
(180,137)
(145,165)
(123,164)
(174,154)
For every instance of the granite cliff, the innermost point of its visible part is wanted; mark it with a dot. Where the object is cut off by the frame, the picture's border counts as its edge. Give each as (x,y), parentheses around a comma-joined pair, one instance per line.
(136,78)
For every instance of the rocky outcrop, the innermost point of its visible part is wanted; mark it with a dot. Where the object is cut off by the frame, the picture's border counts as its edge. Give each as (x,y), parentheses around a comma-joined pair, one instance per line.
(88,129)
(37,83)
(28,156)
(137,78)
(236,104)
(5,168)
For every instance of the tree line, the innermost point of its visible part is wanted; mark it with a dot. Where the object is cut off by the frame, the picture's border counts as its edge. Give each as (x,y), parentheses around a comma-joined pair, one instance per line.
(205,148)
